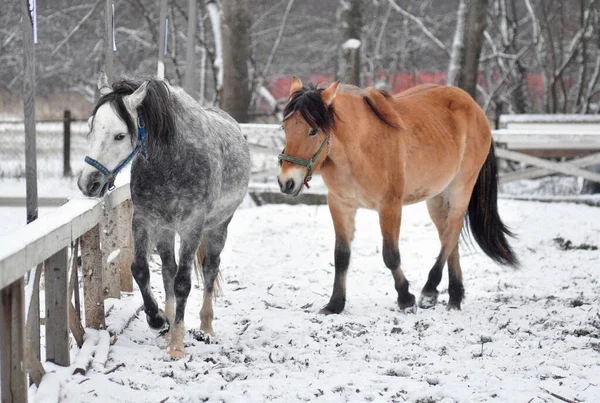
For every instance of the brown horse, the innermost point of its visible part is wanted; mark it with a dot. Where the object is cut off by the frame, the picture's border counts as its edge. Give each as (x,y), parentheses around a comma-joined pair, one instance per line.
(381,152)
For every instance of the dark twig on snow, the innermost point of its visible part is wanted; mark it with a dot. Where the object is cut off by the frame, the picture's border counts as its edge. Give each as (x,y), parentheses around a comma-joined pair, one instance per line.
(564,399)
(114,369)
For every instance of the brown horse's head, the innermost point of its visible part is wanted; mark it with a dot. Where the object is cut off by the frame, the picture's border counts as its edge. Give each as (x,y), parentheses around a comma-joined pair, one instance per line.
(308,122)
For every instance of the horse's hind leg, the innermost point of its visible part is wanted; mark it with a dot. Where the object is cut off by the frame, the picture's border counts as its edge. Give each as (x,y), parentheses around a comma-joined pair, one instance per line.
(190,240)
(390,217)
(156,318)
(448,212)
(438,211)
(212,245)
(166,249)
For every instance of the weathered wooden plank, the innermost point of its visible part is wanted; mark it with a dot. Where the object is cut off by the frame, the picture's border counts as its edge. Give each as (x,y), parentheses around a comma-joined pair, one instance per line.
(57,308)
(91,259)
(532,173)
(125,242)
(562,167)
(75,311)
(32,331)
(110,269)
(12,340)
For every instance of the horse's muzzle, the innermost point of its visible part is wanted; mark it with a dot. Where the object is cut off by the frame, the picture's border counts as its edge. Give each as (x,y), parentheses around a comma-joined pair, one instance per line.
(290,187)
(94,185)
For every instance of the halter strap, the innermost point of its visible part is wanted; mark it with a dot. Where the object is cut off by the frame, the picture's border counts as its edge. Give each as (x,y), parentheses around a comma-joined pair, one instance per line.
(306,163)
(141,146)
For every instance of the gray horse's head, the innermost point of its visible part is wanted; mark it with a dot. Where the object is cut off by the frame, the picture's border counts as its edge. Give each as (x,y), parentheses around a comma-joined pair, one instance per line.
(114,128)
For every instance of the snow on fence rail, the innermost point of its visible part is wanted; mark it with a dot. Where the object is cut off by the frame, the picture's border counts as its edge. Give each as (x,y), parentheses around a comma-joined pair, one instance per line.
(95,225)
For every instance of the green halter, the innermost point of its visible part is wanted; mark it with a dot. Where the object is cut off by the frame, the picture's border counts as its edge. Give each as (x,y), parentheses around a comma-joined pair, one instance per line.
(306,163)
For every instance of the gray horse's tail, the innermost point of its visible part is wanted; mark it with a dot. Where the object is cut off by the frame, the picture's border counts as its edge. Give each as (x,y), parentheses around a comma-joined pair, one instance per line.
(199,263)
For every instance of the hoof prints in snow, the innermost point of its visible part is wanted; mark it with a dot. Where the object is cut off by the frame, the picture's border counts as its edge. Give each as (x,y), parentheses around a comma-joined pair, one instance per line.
(522,334)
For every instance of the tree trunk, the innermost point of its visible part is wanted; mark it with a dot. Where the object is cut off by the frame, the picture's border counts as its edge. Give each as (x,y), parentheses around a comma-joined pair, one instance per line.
(235,96)
(464,61)
(350,28)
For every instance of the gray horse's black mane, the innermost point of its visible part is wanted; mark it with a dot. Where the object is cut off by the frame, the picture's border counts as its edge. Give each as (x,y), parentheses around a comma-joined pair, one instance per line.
(156,110)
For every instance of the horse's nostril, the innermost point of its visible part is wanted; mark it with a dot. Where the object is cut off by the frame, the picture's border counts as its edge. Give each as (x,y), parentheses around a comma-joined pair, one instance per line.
(94,188)
(289,185)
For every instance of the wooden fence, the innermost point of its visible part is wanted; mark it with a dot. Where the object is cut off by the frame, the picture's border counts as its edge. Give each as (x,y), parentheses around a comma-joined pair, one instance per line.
(98,228)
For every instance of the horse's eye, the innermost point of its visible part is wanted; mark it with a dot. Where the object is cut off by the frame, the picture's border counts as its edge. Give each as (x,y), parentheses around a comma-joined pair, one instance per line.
(119,136)
(313,132)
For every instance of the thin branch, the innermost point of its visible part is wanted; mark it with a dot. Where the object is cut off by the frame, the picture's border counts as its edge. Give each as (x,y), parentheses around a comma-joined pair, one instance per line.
(76,28)
(418,21)
(286,13)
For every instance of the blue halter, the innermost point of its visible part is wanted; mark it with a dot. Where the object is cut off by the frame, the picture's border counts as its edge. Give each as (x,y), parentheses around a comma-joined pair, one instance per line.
(141,146)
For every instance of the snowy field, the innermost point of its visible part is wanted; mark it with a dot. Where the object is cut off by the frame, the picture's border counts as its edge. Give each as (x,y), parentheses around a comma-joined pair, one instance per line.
(522,334)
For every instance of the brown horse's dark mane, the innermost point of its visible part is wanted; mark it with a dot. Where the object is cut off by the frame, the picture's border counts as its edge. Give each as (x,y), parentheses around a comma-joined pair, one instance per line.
(309,103)
(380,115)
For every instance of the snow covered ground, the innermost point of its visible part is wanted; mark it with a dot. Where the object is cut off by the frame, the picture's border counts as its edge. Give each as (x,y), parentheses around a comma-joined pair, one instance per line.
(522,334)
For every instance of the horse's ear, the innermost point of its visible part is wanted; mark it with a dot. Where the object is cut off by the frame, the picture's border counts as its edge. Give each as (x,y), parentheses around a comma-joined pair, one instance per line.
(330,92)
(133,101)
(296,85)
(103,85)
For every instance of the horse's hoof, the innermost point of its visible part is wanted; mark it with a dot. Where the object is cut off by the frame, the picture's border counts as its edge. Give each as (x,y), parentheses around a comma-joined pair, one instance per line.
(407,304)
(159,324)
(208,332)
(453,306)
(176,353)
(335,306)
(428,301)
(331,310)
(409,310)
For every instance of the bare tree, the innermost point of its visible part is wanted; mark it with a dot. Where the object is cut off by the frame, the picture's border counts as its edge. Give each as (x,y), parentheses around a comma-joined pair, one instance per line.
(235,96)
(350,23)
(468,41)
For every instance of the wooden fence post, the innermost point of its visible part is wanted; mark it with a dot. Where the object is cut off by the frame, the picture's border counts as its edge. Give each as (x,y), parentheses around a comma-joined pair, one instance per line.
(32,331)
(110,263)
(125,242)
(91,266)
(12,340)
(67,144)
(57,308)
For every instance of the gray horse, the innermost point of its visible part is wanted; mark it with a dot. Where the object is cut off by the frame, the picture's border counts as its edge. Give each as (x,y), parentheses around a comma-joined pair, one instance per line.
(190,172)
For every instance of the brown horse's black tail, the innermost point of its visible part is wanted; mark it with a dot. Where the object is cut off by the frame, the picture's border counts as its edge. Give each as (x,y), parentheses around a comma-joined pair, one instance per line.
(482,217)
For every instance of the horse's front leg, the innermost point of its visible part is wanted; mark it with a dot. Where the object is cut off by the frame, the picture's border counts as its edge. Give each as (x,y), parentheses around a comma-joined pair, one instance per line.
(165,246)
(190,241)
(390,216)
(343,215)
(156,318)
